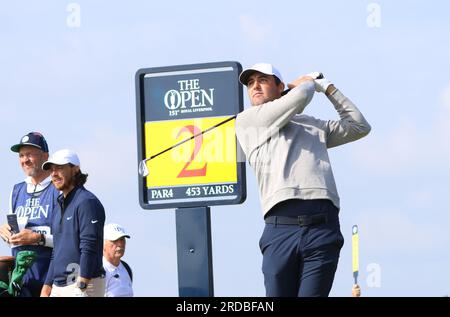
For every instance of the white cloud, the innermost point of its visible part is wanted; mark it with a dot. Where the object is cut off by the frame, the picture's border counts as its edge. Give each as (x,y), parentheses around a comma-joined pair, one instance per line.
(8,113)
(423,197)
(445,99)
(442,125)
(110,159)
(256,33)
(392,151)
(398,231)
(412,144)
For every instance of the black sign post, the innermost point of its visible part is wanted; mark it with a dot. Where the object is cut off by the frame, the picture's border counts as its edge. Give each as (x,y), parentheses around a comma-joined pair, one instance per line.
(189,157)
(194,252)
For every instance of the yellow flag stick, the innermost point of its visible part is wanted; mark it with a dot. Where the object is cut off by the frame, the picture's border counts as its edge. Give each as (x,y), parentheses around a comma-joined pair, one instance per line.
(355,252)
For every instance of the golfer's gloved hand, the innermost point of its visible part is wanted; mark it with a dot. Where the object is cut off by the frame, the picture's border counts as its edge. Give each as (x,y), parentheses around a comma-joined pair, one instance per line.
(320,82)
(315,75)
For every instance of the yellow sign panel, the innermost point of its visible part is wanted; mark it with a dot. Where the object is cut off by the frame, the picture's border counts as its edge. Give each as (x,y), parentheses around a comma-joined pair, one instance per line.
(207,159)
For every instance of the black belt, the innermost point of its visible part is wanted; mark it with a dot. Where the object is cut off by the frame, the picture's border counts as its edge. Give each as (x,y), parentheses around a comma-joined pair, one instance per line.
(302,221)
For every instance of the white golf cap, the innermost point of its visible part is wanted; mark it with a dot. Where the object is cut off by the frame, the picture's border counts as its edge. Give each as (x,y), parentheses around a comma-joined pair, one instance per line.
(264,68)
(113,231)
(62,157)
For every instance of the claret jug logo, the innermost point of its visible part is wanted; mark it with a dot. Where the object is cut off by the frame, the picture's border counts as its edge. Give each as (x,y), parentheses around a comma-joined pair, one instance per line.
(189,98)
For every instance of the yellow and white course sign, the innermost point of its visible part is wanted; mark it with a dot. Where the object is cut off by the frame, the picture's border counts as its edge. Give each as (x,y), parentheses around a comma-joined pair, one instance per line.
(174,104)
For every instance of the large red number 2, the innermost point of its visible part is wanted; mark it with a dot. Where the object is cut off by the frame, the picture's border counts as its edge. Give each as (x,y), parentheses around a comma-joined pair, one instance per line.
(197,145)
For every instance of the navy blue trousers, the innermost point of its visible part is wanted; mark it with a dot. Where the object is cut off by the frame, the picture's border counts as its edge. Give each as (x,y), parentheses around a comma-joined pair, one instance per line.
(300,261)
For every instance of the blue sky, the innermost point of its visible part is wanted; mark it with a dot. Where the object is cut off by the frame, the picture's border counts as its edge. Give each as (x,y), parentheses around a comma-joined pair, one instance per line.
(76,86)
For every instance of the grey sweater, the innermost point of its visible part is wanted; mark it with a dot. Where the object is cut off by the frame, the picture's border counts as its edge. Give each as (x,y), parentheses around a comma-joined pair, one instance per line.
(288,150)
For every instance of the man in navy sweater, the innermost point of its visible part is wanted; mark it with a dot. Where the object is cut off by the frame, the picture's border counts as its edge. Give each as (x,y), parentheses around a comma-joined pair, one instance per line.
(76,267)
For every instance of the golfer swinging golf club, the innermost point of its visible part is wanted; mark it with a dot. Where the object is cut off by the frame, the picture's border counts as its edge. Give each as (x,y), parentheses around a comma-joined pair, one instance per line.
(288,152)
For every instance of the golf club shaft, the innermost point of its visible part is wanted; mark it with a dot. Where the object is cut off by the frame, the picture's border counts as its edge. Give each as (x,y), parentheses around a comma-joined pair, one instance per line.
(188,139)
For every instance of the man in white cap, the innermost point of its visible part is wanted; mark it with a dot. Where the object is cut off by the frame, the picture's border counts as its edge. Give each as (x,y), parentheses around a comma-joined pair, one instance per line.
(76,268)
(288,151)
(119,277)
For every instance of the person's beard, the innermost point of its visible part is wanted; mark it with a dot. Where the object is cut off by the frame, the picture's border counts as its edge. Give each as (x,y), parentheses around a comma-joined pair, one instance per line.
(34,171)
(63,183)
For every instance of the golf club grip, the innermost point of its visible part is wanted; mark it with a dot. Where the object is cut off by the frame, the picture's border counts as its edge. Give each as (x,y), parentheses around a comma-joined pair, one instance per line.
(192,137)
(288,90)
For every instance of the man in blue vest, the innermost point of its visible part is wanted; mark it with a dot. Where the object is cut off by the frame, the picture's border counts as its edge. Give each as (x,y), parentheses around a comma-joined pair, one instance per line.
(33,201)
